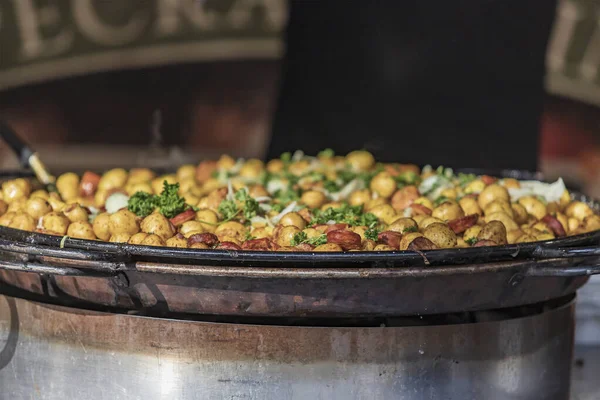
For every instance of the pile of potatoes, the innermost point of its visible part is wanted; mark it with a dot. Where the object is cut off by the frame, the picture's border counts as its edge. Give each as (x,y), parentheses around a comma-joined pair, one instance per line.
(479,213)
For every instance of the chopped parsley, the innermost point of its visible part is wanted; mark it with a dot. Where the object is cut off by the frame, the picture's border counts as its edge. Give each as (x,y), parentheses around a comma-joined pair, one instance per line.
(287,196)
(407,178)
(327,153)
(286,157)
(265,177)
(372,234)
(440,200)
(250,206)
(410,229)
(291,178)
(277,207)
(301,237)
(317,241)
(346,175)
(142,204)
(472,241)
(331,186)
(168,202)
(228,210)
(346,214)
(465,179)
(315,176)
(445,172)
(298,238)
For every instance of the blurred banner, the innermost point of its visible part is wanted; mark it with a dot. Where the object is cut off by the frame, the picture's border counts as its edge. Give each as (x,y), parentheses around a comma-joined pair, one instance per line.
(47,39)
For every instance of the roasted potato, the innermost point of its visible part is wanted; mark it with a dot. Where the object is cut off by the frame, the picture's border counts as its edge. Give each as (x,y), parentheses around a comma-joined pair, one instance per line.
(494,231)
(158,224)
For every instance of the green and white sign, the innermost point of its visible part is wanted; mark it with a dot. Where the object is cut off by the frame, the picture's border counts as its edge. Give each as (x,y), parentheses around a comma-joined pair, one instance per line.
(42,40)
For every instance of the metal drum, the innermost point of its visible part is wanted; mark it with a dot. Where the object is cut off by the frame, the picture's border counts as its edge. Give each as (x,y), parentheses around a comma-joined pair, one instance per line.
(51,352)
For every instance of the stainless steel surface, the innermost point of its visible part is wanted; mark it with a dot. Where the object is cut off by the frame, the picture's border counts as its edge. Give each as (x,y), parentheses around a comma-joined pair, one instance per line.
(49,352)
(585,384)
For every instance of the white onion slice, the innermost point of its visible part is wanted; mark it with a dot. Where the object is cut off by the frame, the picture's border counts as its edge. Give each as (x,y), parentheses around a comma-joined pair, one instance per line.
(260,220)
(265,207)
(346,190)
(263,199)
(298,155)
(229,190)
(115,202)
(275,185)
(549,191)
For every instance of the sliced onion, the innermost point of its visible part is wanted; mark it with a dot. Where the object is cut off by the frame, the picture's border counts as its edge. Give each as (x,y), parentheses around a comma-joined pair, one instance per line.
(346,190)
(229,190)
(260,220)
(275,185)
(298,155)
(115,202)
(265,207)
(407,212)
(262,199)
(237,166)
(550,191)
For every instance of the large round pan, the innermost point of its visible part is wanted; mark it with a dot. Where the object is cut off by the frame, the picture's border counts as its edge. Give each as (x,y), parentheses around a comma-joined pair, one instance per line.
(159,281)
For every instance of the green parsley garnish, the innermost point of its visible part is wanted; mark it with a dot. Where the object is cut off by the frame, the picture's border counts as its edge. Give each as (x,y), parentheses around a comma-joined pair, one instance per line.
(298,238)
(331,186)
(287,196)
(472,241)
(250,206)
(346,214)
(440,200)
(327,153)
(465,179)
(410,229)
(372,234)
(315,176)
(301,237)
(277,207)
(142,204)
(286,157)
(346,175)
(228,210)
(407,178)
(318,240)
(168,202)
(445,172)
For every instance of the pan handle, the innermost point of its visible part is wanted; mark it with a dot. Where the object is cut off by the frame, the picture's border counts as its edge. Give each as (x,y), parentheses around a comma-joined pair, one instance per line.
(570,267)
(567,252)
(49,269)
